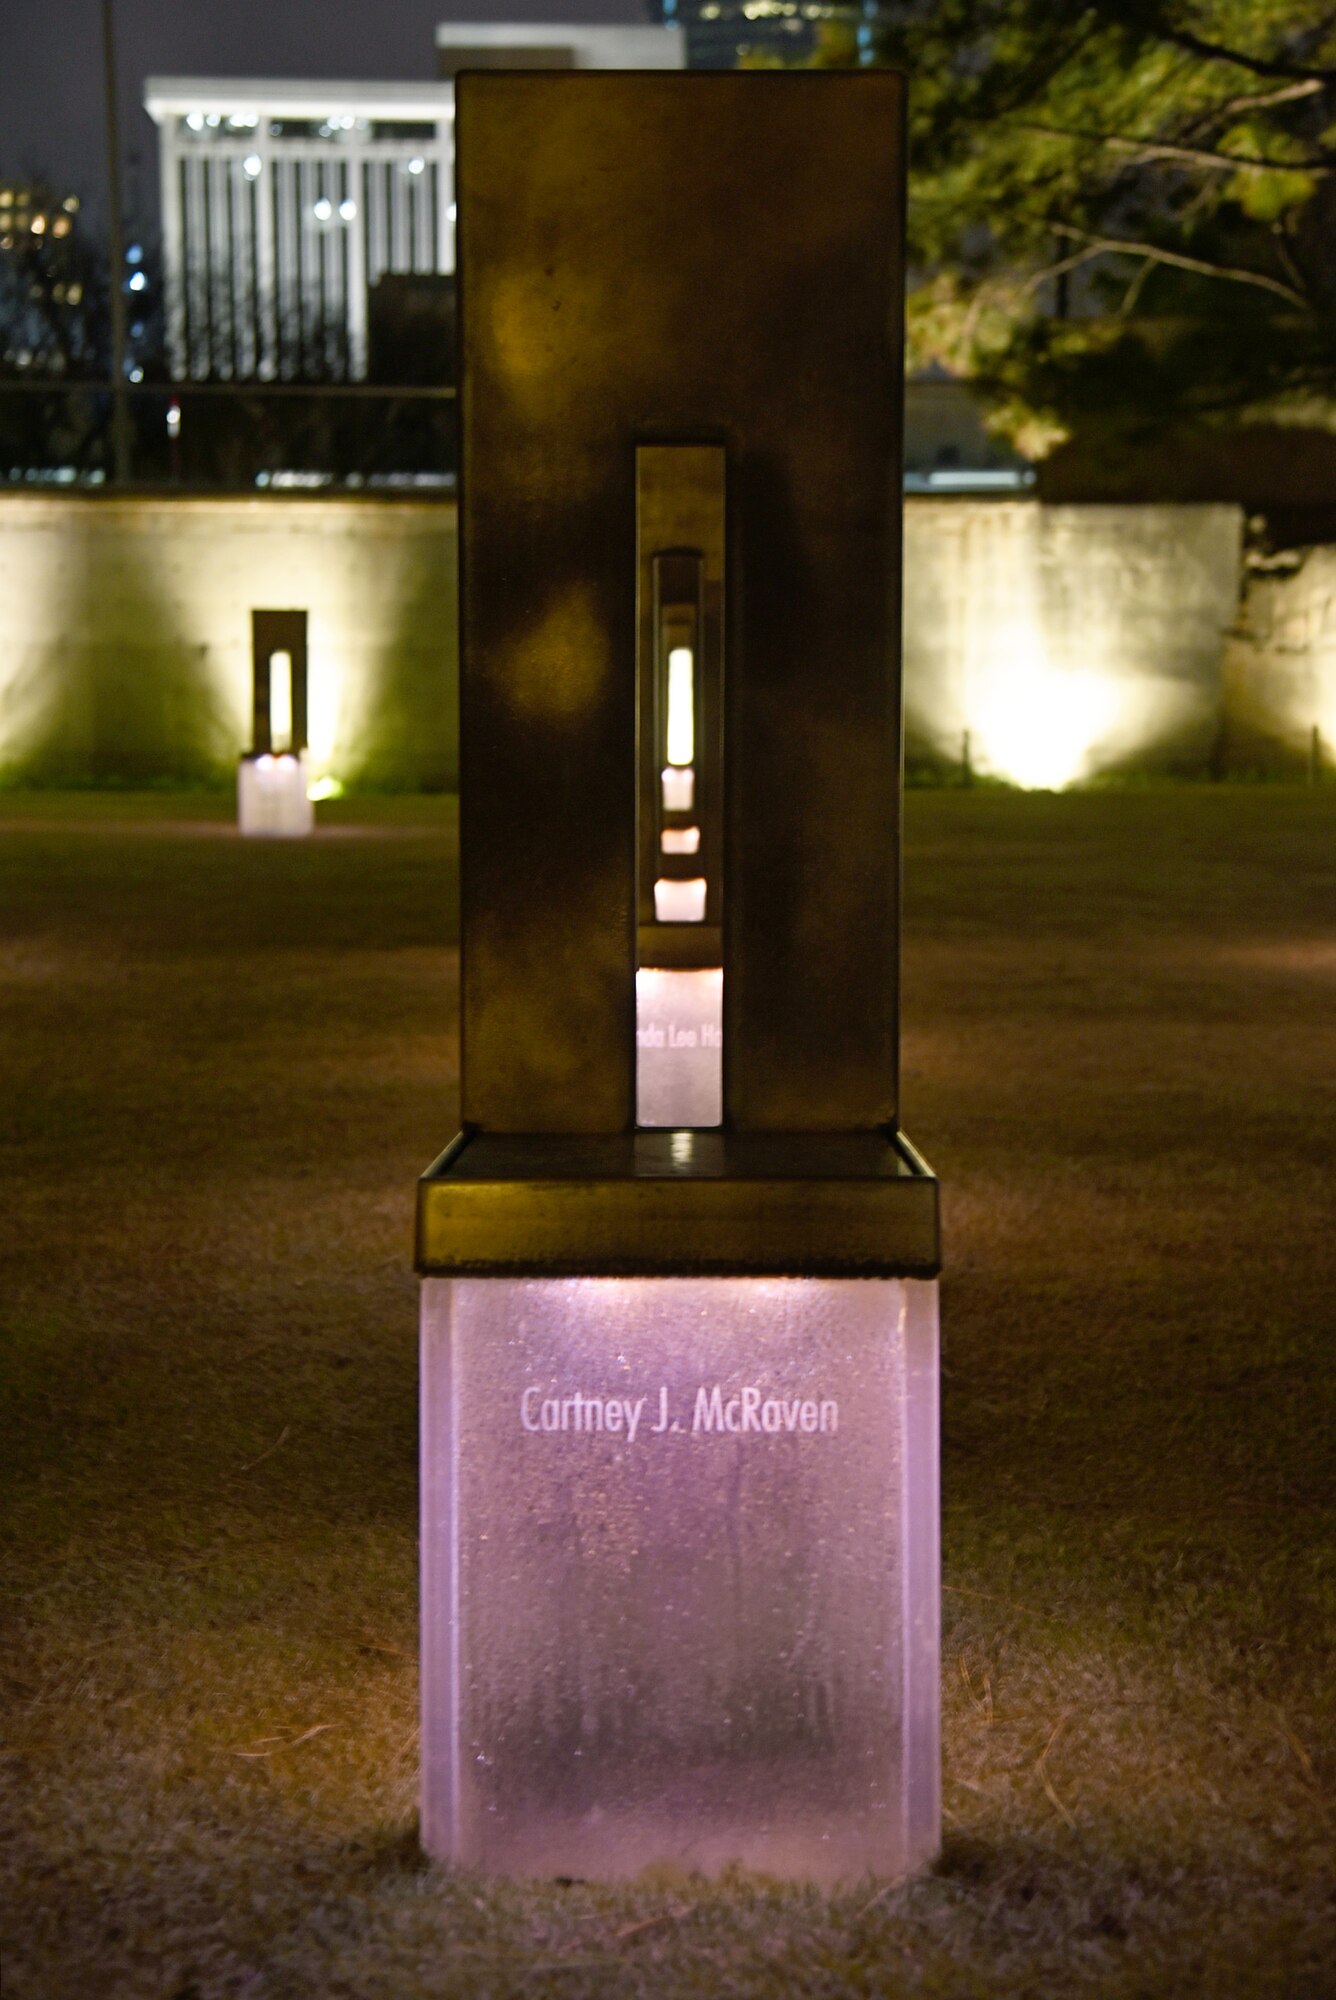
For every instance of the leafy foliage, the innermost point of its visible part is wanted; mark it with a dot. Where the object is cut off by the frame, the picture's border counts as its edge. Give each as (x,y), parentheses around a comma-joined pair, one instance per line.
(1124,207)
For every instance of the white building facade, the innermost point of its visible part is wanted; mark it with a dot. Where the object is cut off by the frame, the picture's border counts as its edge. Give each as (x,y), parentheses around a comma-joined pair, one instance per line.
(283,203)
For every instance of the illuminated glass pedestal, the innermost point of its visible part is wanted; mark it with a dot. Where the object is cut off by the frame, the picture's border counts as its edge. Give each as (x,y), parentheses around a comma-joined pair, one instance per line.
(679,1047)
(679,1534)
(272,795)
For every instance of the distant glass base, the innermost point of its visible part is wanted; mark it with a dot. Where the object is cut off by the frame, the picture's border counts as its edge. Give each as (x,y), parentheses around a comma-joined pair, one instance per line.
(680,1575)
(679,1047)
(272,798)
(680,902)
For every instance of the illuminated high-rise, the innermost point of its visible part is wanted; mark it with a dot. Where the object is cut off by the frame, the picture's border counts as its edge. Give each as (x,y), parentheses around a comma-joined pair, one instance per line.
(44,265)
(727,34)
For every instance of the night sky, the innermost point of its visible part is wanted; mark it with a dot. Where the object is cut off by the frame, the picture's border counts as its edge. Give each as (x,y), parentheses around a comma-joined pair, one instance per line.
(51,77)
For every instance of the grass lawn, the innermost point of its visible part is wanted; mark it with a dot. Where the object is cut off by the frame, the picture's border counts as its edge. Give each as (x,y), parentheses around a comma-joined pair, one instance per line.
(222,1066)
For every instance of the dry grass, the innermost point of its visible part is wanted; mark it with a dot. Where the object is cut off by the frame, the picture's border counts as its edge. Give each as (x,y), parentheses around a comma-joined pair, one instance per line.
(223,1066)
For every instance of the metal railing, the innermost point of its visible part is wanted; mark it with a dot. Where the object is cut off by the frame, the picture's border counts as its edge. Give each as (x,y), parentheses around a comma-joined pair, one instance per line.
(229,436)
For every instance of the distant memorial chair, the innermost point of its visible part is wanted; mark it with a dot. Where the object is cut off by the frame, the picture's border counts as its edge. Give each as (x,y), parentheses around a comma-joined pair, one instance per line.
(272,798)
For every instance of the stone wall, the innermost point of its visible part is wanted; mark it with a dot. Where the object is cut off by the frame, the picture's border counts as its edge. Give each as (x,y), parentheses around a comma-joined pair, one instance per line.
(1280,665)
(1066,641)
(1061,641)
(125,634)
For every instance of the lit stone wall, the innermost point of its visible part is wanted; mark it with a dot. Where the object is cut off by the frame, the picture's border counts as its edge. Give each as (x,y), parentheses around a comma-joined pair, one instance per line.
(125,634)
(1280,665)
(1065,640)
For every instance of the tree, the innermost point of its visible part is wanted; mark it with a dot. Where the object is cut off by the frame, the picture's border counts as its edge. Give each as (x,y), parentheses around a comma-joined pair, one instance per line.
(1124,211)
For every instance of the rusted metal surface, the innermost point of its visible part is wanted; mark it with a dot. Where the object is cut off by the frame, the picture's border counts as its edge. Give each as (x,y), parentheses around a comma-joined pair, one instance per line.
(680,260)
(647,1204)
(277,632)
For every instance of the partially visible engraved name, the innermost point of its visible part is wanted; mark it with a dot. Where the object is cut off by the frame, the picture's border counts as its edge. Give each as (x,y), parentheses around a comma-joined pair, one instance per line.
(654,1035)
(716,1412)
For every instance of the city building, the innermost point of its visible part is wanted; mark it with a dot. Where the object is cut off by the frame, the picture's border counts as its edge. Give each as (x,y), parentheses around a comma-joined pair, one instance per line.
(282,204)
(529,45)
(948,447)
(727,34)
(285,204)
(45,267)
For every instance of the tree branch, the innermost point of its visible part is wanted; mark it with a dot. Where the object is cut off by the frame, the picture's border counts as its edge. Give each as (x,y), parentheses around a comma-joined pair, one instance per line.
(1248,163)
(1133,292)
(1236,275)
(1200,156)
(1258,100)
(1058,270)
(1183,38)
(1212,116)
(1285,250)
